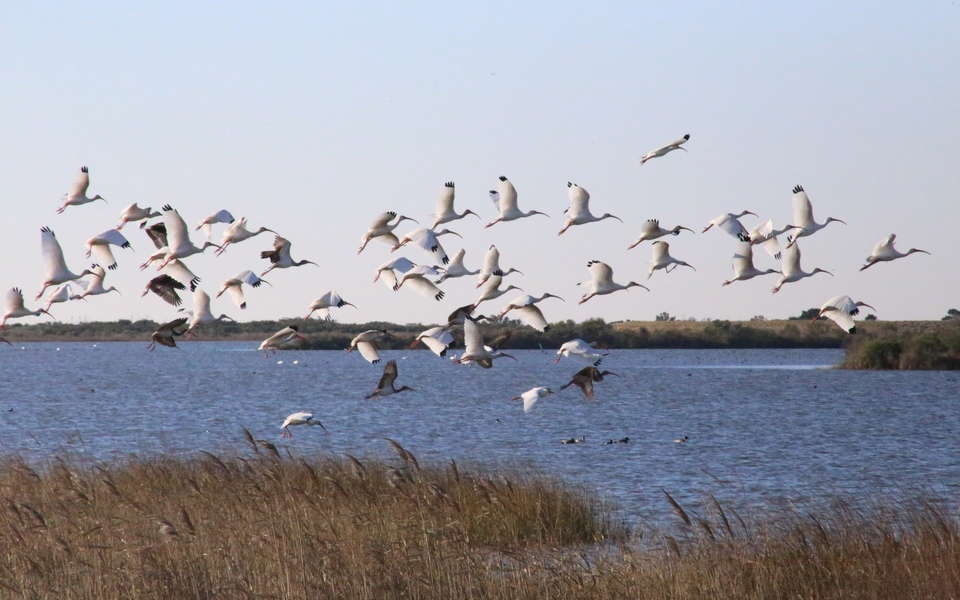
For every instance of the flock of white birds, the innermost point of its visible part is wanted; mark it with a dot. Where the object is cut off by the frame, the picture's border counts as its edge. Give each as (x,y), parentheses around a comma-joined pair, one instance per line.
(171,236)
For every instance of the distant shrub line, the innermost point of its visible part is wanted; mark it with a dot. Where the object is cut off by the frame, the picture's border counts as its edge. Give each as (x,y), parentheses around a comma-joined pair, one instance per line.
(877,345)
(336,336)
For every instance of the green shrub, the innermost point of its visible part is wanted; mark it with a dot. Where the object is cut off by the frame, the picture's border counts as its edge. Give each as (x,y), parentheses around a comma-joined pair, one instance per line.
(875,354)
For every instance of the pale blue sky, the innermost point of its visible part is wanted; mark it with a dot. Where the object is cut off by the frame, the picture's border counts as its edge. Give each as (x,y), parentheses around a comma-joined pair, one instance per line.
(313,119)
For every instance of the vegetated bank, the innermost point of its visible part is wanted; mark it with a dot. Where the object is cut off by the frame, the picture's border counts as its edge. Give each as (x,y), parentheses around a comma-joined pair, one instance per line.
(884,347)
(266,524)
(326,335)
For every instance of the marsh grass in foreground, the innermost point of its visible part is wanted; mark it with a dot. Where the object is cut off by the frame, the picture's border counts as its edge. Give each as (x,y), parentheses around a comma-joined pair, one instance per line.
(266,525)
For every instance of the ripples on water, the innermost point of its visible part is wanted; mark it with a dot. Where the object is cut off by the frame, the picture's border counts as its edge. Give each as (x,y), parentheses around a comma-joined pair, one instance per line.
(765,426)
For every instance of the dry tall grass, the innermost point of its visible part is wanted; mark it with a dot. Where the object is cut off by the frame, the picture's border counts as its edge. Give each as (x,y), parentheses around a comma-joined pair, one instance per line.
(270,526)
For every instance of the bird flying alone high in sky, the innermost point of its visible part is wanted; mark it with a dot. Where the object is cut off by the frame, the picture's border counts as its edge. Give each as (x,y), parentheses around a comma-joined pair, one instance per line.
(663,150)
(78,193)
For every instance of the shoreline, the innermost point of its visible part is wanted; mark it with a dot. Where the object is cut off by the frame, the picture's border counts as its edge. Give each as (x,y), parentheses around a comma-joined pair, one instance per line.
(325,335)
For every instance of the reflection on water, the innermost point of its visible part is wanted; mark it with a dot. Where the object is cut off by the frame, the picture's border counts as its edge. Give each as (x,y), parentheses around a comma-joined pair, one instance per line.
(765,426)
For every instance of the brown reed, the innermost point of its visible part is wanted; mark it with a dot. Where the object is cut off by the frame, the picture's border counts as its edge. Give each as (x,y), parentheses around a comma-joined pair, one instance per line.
(267,525)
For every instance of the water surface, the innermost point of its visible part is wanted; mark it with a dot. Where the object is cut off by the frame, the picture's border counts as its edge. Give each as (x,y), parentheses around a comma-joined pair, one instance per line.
(765,426)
